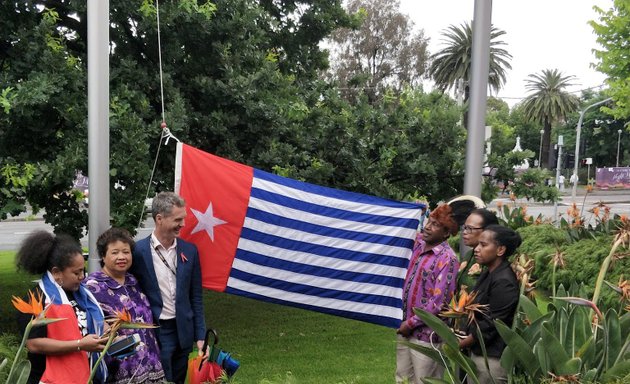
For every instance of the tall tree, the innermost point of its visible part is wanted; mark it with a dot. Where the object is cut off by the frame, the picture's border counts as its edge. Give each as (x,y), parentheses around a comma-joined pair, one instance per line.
(298,27)
(383,52)
(613,31)
(229,88)
(453,63)
(549,104)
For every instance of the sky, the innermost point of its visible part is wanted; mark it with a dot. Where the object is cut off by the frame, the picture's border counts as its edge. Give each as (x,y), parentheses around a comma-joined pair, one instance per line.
(540,34)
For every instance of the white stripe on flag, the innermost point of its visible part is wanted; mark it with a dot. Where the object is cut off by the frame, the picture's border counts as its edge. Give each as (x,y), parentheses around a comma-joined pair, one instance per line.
(346,245)
(307,217)
(319,261)
(335,304)
(347,205)
(317,281)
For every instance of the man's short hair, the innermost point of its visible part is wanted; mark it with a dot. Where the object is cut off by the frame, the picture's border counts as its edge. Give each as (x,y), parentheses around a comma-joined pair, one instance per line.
(164,202)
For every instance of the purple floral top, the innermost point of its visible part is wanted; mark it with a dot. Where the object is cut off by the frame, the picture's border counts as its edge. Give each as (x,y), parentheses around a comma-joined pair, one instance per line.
(429,285)
(144,366)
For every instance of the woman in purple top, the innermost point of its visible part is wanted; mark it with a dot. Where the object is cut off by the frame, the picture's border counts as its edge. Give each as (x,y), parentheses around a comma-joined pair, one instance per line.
(116,289)
(429,285)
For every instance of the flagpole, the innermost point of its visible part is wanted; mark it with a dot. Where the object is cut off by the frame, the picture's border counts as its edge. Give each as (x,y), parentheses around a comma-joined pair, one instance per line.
(478,93)
(178,167)
(98,125)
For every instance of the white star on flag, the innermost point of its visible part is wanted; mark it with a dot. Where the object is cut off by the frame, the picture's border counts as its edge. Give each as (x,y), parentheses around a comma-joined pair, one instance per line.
(206,221)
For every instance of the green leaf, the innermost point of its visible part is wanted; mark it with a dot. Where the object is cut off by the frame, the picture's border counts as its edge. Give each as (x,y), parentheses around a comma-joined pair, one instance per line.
(624,323)
(427,351)
(520,348)
(454,354)
(571,367)
(46,321)
(23,370)
(556,352)
(432,380)
(483,349)
(125,325)
(587,352)
(531,310)
(542,358)
(438,326)
(617,371)
(508,360)
(578,329)
(614,338)
(531,333)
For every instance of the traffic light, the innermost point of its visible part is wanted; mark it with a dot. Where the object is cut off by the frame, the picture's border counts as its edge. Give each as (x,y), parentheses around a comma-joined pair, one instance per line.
(569,160)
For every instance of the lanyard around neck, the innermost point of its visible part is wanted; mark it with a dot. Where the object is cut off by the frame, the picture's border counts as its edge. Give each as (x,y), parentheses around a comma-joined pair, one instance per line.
(159,253)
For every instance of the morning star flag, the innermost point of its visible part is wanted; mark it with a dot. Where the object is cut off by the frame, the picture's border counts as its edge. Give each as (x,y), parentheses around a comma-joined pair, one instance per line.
(284,241)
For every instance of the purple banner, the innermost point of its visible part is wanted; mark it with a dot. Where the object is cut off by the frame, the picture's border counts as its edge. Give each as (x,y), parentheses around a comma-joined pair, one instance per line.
(613,177)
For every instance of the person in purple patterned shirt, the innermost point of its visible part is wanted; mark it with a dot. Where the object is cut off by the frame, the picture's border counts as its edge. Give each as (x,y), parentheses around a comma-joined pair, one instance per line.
(429,285)
(116,289)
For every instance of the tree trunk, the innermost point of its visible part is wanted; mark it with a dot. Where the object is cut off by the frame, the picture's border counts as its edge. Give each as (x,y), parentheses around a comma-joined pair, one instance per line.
(547,149)
(466,107)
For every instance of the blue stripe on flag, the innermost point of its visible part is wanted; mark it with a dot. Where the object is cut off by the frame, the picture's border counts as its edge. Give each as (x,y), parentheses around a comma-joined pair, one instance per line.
(381,320)
(334,193)
(327,231)
(332,212)
(339,253)
(315,291)
(307,269)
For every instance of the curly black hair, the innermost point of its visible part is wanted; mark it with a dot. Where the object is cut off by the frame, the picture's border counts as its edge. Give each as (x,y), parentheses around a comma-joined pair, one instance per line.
(41,251)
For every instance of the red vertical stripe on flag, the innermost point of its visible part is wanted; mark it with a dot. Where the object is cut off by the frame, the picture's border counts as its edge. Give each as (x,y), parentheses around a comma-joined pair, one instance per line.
(217,193)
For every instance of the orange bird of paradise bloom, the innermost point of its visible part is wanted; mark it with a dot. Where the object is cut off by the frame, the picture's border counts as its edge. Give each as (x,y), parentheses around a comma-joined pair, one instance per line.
(35,307)
(464,307)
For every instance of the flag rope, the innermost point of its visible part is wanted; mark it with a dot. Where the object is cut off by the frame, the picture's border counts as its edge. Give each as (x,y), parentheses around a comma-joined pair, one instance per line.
(166,133)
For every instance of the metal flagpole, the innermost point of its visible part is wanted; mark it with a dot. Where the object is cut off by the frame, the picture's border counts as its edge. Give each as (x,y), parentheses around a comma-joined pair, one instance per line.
(478,93)
(577,142)
(98,124)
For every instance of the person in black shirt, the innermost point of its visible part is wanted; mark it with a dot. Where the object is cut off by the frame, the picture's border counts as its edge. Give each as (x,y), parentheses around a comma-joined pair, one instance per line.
(497,287)
(473,227)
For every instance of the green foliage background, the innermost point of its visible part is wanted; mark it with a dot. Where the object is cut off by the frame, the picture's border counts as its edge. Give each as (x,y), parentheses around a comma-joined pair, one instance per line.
(583,259)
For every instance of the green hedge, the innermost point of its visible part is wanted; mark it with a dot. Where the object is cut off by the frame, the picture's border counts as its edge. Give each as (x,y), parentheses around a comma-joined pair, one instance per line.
(582,258)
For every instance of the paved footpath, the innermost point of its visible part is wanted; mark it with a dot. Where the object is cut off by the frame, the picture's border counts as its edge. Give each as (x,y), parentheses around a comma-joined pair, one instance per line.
(617,200)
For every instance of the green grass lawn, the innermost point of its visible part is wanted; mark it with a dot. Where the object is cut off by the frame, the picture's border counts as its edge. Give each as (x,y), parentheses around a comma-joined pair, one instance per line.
(269,340)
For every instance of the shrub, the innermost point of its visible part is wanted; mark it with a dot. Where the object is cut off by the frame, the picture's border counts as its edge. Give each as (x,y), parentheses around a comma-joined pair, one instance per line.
(582,260)
(8,347)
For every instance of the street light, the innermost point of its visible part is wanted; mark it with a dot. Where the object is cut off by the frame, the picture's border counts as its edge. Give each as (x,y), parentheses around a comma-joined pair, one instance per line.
(542,132)
(577,141)
(555,204)
(618,144)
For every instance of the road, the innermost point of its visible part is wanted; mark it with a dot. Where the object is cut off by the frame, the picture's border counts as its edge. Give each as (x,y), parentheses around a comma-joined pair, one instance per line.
(618,201)
(13,231)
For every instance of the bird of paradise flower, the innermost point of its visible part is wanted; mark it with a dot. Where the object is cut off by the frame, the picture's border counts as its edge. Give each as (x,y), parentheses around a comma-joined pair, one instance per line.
(34,306)
(120,320)
(464,307)
(622,288)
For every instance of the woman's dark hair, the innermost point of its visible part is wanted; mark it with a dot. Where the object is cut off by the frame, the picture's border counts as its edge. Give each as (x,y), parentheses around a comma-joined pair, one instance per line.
(488,217)
(110,236)
(507,237)
(42,251)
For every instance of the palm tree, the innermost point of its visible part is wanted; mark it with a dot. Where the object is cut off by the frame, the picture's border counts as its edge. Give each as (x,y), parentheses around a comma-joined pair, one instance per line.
(453,63)
(548,104)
